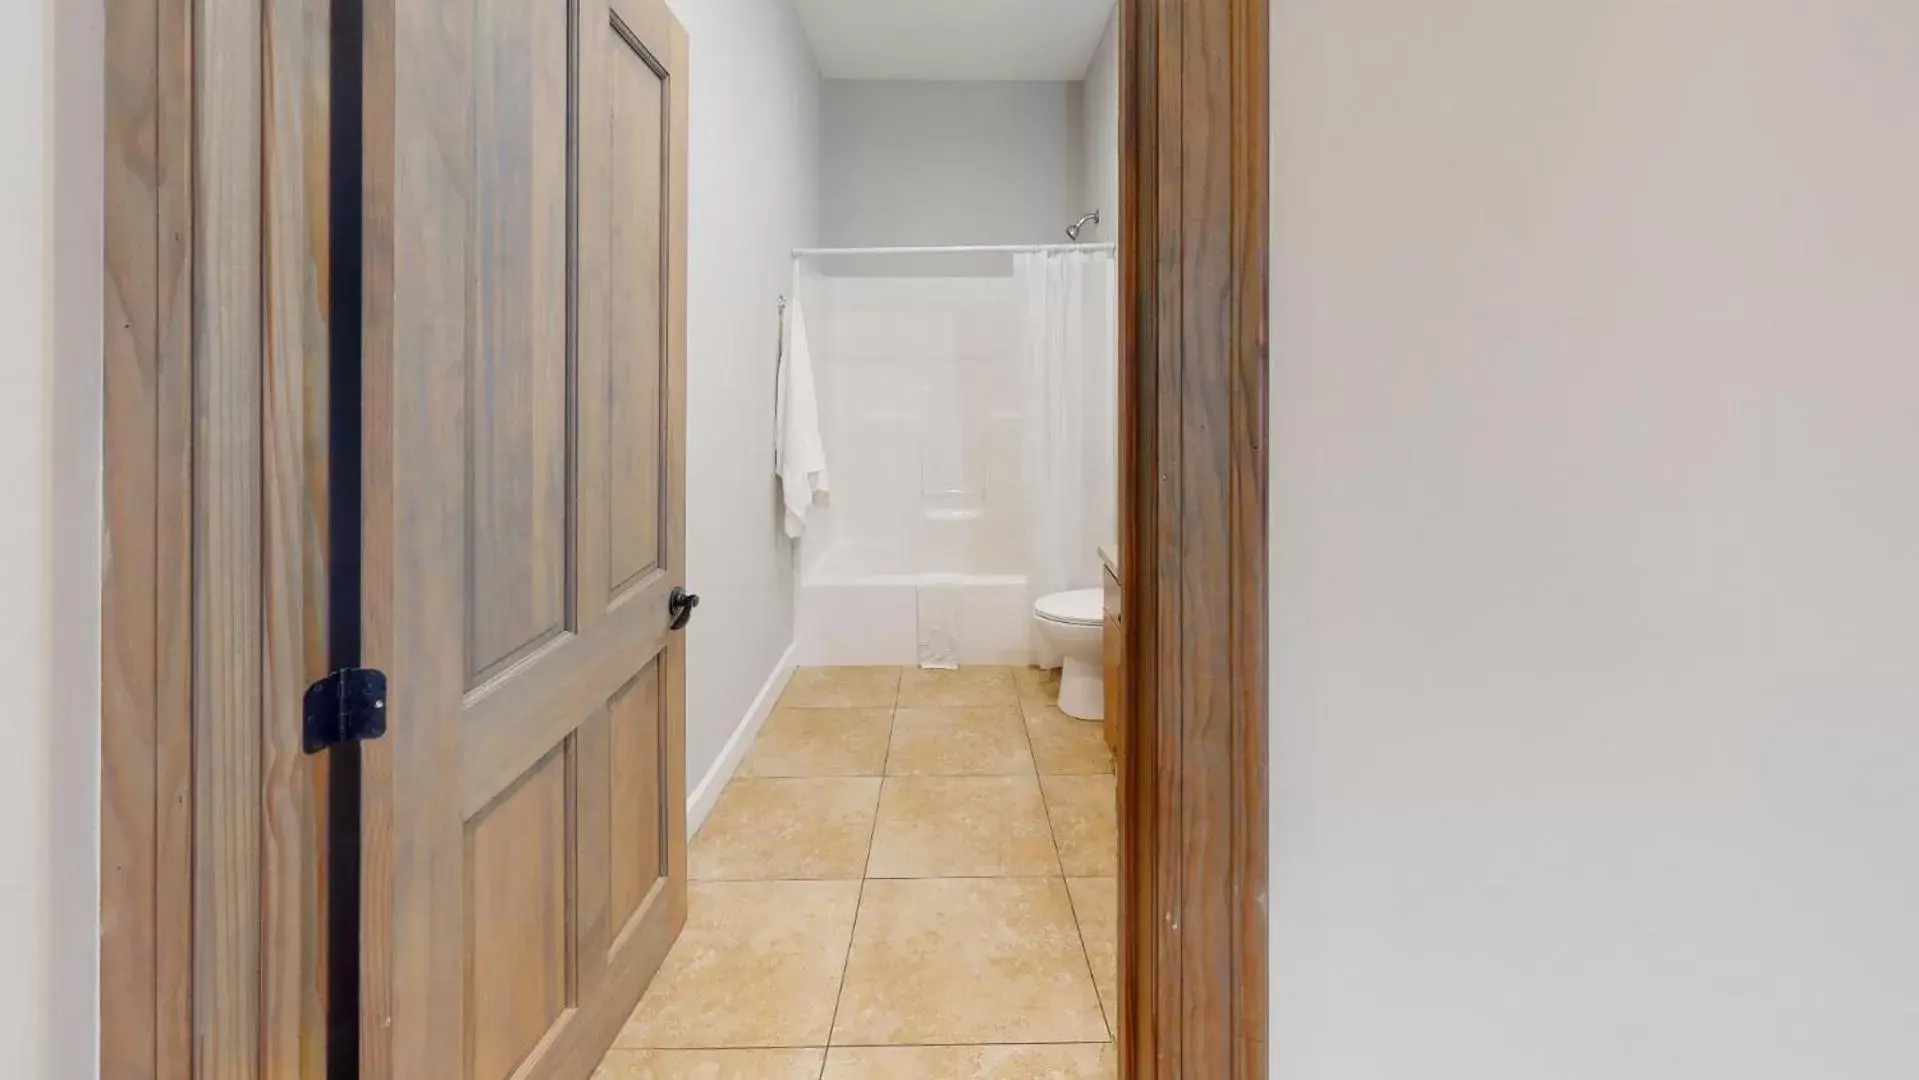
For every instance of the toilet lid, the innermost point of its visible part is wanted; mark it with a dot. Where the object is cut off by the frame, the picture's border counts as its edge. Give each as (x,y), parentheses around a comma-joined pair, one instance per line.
(1081,607)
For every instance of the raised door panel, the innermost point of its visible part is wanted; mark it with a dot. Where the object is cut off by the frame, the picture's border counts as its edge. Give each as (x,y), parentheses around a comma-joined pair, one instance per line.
(636,842)
(636,346)
(517,923)
(519,420)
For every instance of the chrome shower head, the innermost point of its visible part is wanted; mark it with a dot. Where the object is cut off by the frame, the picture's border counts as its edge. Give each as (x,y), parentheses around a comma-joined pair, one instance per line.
(1072,231)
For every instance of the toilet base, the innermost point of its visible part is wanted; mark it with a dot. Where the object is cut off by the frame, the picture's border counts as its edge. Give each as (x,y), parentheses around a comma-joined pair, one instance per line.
(1082,690)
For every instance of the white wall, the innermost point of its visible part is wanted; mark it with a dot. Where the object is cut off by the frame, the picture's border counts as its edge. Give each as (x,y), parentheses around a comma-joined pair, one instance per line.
(51,117)
(1099,136)
(754,161)
(1596,540)
(911,163)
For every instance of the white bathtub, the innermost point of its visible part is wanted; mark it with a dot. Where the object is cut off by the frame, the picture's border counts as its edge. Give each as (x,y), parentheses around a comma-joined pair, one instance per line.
(877,619)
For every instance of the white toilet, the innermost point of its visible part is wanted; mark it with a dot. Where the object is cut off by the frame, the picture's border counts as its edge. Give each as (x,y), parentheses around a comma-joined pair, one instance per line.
(1072,622)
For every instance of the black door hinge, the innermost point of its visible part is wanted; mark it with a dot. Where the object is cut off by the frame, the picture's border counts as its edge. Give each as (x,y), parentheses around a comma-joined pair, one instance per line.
(348,705)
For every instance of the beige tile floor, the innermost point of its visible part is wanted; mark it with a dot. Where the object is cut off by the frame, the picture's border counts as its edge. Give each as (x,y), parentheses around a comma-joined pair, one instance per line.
(911,877)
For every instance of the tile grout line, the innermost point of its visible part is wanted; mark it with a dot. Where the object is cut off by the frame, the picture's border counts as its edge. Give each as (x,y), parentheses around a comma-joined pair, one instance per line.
(956,1045)
(1039,784)
(897,877)
(1027,711)
(851,1046)
(1066,882)
(1072,906)
(846,960)
(1086,951)
(872,833)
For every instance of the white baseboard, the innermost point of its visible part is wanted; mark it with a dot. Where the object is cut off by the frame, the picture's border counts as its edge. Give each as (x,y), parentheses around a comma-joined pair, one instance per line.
(700,802)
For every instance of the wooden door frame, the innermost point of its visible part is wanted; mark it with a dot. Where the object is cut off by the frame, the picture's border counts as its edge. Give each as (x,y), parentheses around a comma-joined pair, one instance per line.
(146,724)
(213,589)
(1194,133)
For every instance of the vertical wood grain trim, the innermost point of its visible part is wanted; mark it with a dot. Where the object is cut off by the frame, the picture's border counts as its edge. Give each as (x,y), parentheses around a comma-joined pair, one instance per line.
(1248,390)
(173,545)
(379,955)
(1202,465)
(678,87)
(592,316)
(1138,97)
(572,589)
(182,679)
(227,457)
(1193,471)
(146,726)
(417,169)
(1167,706)
(297,371)
(129,737)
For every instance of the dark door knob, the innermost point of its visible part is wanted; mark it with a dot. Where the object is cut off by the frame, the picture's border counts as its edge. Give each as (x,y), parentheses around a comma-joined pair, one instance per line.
(679,607)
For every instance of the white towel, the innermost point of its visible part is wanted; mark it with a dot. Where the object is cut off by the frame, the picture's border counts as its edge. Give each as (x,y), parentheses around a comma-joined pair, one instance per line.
(800,456)
(942,599)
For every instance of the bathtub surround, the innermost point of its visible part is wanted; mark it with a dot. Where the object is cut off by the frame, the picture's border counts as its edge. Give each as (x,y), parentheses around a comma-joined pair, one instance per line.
(970,422)
(920,409)
(754,196)
(918,378)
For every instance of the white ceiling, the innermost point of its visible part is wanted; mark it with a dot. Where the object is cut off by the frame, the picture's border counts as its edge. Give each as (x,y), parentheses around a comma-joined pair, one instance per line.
(954,39)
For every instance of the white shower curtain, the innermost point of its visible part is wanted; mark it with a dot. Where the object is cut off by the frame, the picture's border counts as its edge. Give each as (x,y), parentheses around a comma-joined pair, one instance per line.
(1071,458)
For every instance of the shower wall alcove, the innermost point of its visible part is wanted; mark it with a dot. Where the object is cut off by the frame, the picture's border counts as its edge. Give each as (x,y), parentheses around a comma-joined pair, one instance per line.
(966,405)
(962,345)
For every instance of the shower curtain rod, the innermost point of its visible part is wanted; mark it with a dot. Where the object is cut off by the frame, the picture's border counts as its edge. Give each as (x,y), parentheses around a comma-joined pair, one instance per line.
(981,249)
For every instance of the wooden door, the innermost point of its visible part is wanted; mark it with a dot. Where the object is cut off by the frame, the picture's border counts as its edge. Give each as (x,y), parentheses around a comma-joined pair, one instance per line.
(525,178)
